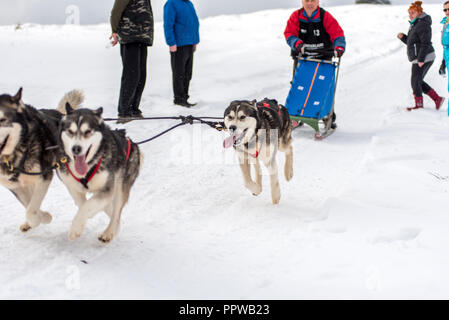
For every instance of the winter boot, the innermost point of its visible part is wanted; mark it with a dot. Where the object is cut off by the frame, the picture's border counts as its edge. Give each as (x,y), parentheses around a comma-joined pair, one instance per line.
(418,103)
(436,98)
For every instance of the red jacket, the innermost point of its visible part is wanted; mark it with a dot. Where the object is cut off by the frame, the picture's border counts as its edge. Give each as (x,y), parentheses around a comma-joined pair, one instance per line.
(331,26)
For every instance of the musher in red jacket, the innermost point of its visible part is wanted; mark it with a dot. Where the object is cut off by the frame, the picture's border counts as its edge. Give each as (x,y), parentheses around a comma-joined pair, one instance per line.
(316,30)
(313,32)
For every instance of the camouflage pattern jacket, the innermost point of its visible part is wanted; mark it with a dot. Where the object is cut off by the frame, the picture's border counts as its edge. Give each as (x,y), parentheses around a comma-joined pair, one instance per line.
(133,21)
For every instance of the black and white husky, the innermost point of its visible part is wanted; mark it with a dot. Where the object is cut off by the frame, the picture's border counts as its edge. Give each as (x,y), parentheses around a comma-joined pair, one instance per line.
(102,162)
(27,151)
(258,131)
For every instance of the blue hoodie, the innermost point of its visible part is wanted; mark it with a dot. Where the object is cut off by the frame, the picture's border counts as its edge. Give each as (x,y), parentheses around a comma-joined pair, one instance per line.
(181,24)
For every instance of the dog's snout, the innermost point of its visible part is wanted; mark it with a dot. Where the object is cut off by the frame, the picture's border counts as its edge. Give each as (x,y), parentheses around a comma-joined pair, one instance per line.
(233,128)
(76,150)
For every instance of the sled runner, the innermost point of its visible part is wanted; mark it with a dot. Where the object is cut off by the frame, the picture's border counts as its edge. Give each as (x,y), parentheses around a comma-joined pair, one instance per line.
(312,95)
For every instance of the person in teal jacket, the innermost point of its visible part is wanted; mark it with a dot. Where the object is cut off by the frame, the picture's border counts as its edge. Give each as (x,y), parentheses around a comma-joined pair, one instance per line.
(445,42)
(181,29)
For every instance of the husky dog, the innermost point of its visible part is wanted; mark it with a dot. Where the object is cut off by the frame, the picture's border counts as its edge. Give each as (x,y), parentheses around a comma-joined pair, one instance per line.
(102,162)
(257,131)
(27,136)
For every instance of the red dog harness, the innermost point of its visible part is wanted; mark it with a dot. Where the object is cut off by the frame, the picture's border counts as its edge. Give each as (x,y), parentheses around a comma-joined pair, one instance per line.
(264,105)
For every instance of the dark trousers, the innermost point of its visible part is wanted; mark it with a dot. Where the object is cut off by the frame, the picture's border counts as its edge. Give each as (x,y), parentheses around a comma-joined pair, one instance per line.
(134,59)
(418,84)
(181,65)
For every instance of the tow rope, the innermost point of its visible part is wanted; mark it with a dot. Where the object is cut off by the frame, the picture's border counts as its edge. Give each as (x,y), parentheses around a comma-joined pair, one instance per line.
(217,125)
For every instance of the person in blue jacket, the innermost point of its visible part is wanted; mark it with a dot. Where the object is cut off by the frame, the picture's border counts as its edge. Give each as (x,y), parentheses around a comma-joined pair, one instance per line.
(445,42)
(181,28)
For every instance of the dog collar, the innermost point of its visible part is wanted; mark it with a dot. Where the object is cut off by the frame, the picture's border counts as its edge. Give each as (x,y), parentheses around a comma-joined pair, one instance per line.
(129,150)
(84,181)
(255,155)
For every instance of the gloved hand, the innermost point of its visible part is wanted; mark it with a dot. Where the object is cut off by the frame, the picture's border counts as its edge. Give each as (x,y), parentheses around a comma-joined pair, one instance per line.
(339,51)
(442,70)
(299,46)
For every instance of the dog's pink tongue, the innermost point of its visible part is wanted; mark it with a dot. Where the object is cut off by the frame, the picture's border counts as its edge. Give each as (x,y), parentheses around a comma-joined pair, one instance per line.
(229,141)
(81,165)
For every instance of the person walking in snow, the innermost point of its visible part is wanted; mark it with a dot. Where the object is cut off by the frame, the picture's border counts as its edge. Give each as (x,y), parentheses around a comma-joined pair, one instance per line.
(445,41)
(312,31)
(181,28)
(132,26)
(420,53)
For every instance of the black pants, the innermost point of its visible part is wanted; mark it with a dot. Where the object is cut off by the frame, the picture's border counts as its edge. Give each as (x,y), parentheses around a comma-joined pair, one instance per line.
(134,59)
(181,65)
(418,74)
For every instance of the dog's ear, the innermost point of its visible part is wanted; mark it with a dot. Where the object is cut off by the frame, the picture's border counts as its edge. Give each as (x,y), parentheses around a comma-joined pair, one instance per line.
(68,108)
(16,99)
(228,109)
(98,112)
(254,104)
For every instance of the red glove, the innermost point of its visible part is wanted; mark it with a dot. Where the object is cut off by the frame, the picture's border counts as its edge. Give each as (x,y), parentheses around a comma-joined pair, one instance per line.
(339,51)
(298,45)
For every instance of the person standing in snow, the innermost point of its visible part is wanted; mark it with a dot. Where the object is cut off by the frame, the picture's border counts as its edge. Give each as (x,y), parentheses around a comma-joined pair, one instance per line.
(312,31)
(181,28)
(445,41)
(132,26)
(420,53)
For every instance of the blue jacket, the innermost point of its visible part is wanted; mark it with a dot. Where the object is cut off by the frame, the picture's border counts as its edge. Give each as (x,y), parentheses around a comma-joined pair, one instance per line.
(181,24)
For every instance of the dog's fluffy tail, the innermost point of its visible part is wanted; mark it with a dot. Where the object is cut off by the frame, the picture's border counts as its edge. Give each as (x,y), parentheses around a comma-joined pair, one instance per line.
(75,98)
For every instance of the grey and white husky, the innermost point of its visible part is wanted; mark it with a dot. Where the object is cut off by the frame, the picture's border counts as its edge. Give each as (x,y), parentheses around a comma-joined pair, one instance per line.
(27,151)
(258,131)
(102,162)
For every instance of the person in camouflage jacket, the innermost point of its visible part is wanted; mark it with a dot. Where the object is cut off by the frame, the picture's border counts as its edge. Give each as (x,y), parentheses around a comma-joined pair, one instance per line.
(132,25)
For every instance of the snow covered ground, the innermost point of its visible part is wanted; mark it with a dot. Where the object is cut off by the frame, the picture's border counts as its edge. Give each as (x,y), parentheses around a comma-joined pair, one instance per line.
(365,215)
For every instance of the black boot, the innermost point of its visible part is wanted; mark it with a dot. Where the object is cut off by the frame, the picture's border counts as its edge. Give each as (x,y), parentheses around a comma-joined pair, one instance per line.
(334,125)
(184,103)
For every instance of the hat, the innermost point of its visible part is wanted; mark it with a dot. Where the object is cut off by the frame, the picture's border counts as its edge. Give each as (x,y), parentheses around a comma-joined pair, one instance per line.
(416,6)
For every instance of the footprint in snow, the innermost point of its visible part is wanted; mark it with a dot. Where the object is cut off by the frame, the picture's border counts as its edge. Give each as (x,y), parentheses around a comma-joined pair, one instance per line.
(407,234)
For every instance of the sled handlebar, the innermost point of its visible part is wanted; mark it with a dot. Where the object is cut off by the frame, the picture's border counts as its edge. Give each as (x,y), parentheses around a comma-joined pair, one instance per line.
(319,60)
(314,54)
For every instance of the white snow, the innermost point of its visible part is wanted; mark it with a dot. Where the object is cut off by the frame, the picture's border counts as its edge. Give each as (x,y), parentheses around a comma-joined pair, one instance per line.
(365,215)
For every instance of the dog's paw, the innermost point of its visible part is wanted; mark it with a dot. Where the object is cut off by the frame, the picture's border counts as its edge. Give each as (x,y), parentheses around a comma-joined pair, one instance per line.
(288,174)
(106,237)
(25,227)
(74,234)
(254,188)
(33,219)
(45,217)
(276,196)
(276,200)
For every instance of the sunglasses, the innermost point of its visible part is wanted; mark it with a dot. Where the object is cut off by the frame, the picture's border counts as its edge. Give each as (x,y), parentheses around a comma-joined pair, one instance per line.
(445,10)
